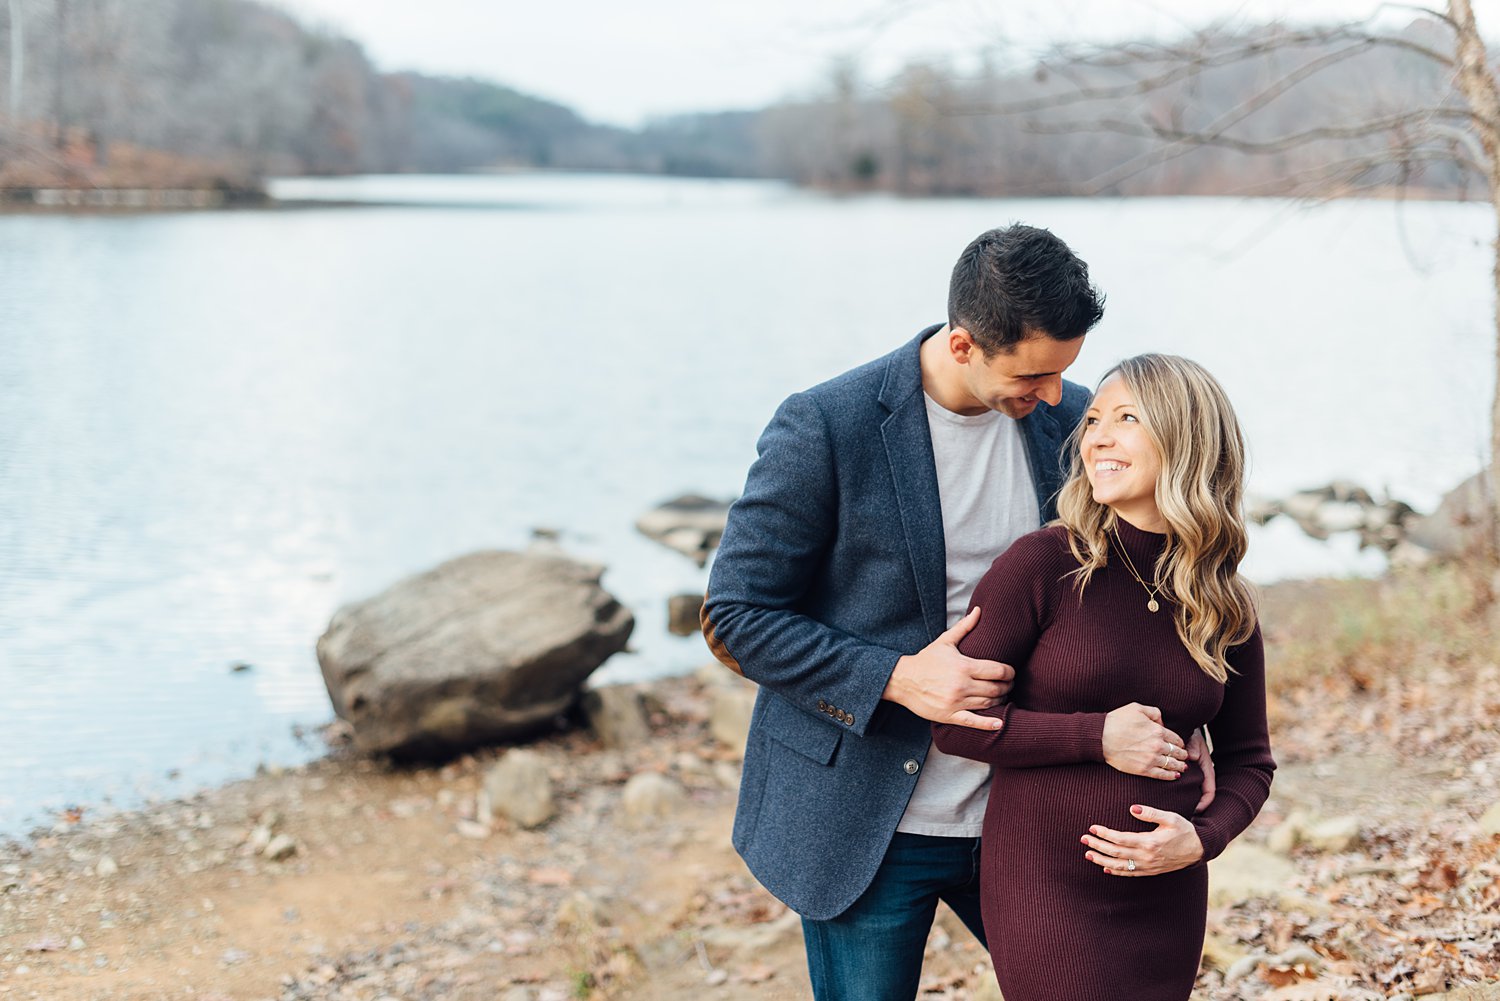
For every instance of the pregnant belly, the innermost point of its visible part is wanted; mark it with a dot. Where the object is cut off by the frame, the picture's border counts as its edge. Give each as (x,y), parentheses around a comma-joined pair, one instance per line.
(1042,812)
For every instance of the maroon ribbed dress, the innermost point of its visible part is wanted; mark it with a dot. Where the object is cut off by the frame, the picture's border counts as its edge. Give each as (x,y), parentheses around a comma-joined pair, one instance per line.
(1059,928)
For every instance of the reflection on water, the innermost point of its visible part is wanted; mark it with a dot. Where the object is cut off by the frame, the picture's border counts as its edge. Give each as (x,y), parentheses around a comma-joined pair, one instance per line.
(216,428)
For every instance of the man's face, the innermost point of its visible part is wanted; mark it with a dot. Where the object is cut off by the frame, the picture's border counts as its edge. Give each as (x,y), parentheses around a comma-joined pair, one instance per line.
(1013,381)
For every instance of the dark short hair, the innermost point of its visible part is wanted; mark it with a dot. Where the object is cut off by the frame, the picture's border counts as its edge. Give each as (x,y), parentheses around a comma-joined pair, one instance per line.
(1020,281)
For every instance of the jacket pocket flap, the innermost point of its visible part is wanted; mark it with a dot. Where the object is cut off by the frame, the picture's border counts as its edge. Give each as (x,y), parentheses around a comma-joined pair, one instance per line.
(803,733)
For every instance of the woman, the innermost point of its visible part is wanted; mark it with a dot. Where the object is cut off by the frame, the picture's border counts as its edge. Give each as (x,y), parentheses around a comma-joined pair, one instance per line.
(1093,880)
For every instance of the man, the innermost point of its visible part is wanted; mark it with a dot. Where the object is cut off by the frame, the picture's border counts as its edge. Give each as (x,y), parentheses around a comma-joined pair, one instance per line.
(877,502)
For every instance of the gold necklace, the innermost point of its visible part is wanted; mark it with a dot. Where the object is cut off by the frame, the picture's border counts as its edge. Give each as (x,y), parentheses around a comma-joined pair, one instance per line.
(1151,592)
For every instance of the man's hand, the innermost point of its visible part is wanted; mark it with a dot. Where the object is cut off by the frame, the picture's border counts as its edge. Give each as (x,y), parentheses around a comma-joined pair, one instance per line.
(940,684)
(1197,750)
(1173,845)
(1135,742)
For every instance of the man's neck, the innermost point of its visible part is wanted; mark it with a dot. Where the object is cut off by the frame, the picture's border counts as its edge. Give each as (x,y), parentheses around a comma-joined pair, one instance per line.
(941,378)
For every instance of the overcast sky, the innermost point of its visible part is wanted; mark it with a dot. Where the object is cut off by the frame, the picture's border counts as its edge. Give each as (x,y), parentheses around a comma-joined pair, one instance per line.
(622,62)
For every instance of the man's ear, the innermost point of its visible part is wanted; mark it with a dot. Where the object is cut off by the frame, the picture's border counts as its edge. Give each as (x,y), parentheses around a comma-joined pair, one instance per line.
(961,345)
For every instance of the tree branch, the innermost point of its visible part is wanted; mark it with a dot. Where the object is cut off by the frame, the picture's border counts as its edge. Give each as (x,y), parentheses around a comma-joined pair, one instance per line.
(1280,144)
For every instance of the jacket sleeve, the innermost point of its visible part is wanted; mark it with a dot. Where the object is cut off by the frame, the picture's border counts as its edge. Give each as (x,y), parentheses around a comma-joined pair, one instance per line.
(1015,599)
(1241,750)
(776,536)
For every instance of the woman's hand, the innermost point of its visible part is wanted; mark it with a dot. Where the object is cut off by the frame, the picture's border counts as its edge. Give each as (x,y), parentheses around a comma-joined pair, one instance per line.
(1173,845)
(1136,743)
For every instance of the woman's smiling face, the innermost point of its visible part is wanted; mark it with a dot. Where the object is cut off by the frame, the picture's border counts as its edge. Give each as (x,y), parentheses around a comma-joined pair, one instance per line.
(1121,460)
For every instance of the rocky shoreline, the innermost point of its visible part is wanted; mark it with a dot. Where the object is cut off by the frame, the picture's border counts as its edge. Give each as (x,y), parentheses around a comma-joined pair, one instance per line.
(1374,871)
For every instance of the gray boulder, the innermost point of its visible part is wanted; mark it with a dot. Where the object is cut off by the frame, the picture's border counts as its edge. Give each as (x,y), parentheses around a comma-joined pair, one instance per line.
(690,524)
(1456,528)
(487,647)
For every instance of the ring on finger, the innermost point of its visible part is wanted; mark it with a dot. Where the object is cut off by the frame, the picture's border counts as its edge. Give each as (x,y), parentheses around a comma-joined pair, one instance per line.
(1130,865)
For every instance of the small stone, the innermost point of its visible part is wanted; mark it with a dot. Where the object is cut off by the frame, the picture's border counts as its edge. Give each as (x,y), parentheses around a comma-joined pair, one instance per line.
(232,956)
(729,716)
(727,774)
(682,614)
(281,847)
(757,939)
(260,838)
(1489,823)
(1287,835)
(77,944)
(1340,834)
(648,797)
(987,989)
(473,829)
(617,716)
(582,912)
(1243,967)
(519,788)
(1220,953)
(106,867)
(717,977)
(1298,955)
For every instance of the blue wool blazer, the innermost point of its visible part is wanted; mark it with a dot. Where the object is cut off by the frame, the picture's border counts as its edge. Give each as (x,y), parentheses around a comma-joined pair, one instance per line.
(832,566)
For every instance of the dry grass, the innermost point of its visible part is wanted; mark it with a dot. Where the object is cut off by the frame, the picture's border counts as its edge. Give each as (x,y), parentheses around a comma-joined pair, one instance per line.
(1406,623)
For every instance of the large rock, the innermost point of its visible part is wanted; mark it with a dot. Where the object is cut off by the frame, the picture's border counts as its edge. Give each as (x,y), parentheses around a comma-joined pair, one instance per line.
(1456,528)
(690,524)
(487,647)
(650,797)
(1246,871)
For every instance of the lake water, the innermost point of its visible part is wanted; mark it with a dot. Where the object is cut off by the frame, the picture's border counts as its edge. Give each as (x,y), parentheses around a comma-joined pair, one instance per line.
(216,428)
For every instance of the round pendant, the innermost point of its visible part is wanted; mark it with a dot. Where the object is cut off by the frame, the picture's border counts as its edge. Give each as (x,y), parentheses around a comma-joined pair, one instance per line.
(1152,605)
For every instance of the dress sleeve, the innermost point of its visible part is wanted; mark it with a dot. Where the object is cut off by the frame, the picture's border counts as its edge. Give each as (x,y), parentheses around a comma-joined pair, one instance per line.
(1241,751)
(1016,597)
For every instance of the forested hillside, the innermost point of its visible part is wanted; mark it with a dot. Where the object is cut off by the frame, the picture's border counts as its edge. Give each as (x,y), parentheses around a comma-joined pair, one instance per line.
(160,93)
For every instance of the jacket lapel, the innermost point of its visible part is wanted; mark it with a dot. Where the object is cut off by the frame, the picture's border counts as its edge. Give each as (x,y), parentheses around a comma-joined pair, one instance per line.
(908,448)
(1044,443)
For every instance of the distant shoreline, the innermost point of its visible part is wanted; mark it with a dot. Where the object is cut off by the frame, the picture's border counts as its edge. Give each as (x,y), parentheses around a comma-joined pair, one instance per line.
(135,200)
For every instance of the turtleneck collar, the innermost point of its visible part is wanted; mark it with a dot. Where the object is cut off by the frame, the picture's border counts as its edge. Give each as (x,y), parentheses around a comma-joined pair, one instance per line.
(1141,546)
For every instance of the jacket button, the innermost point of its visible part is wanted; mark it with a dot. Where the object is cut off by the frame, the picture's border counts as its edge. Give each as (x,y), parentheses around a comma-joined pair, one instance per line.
(822,706)
(848,719)
(911,766)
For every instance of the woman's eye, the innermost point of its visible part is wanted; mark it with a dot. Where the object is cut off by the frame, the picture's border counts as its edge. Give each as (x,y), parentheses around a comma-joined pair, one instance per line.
(1089,422)
(1128,417)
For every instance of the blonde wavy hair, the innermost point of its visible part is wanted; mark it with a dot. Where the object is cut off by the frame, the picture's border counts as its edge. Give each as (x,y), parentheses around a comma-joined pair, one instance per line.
(1187,415)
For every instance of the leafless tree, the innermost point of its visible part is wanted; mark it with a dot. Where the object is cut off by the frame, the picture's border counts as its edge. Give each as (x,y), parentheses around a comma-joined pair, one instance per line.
(1337,110)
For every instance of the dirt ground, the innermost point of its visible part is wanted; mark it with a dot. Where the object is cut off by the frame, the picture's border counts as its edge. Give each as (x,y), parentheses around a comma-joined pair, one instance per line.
(395,886)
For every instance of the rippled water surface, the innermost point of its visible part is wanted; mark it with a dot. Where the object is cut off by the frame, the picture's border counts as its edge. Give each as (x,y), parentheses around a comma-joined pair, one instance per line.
(216,428)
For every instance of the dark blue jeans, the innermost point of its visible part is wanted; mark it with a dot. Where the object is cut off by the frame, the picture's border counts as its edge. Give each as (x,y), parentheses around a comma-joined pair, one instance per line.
(873,951)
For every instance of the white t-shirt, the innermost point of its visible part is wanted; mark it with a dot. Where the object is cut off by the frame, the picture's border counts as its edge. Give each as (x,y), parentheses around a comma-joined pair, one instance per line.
(988,502)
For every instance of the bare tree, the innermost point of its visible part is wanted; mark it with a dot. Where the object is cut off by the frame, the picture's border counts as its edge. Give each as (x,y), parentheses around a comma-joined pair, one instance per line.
(1423,117)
